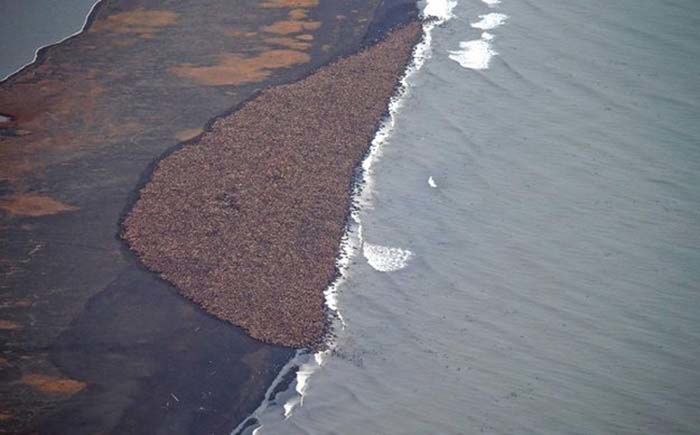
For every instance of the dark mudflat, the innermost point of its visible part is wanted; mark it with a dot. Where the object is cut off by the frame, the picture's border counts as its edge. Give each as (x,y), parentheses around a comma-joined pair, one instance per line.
(90,341)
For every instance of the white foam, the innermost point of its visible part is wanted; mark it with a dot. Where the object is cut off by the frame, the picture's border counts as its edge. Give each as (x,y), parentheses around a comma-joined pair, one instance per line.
(385,258)
(492,3)
(477,54)
(440,9)
(291,364)
(289,406)
(352,240)
(473,54)
(490,21)
(303,375)
(431,182)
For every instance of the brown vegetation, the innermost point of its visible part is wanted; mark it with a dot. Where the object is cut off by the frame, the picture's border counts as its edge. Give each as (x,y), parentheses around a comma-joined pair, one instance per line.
(297,14)
(33,204)
(289,3)
(8,325)
(234,69)
(290,43)
(286,27)
(52,384)
(142,22)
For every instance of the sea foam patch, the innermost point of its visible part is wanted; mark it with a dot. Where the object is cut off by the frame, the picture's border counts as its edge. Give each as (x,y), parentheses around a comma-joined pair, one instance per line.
(385,258)
(474,54)
(440,9)
(477,54)
(490,21)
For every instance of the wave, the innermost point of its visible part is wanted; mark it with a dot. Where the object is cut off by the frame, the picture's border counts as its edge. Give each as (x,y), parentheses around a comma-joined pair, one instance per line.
(476,54)
(385,258)
(490,21)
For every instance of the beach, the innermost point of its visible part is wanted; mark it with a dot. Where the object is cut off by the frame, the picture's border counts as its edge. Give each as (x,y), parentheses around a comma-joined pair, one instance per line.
(92,341)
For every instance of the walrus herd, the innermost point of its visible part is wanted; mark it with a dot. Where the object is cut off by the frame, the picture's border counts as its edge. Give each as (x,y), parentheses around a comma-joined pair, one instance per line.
(247,219)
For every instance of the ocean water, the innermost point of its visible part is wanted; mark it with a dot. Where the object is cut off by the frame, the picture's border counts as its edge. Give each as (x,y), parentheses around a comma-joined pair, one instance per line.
(27,25)
(526,257)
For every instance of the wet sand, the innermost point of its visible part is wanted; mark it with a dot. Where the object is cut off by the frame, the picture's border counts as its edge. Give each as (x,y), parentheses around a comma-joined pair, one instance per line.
(247,221)
(90,341)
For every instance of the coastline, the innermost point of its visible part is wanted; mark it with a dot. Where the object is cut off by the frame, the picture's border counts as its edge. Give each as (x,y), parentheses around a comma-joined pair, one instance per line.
(100,348)
(39,50)
(299,369)
(281,226)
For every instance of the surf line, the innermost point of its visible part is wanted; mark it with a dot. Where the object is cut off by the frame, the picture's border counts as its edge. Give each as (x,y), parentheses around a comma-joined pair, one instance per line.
(435,13)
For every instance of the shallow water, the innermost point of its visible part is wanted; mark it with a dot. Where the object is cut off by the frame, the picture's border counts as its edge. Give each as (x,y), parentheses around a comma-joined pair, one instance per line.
(28,25)
(549,196)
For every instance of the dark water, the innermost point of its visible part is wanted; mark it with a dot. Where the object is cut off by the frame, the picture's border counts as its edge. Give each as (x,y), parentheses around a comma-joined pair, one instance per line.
(27,25)
(553,282)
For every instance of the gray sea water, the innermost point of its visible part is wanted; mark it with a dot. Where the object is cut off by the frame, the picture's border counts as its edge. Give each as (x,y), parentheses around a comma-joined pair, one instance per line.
(554,280)
(27,25)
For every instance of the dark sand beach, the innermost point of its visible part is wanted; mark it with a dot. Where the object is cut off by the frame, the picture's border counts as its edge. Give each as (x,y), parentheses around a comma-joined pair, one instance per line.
(90,340)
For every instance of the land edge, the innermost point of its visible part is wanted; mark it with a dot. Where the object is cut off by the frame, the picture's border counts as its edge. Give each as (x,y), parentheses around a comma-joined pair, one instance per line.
(368,40)
(41,53)
(374,34)
(284,380)
(355,182)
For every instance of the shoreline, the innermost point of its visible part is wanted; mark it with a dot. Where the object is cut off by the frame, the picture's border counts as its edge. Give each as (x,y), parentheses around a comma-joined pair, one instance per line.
(102,324)
(304,364)
(38,52)
(152,231)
